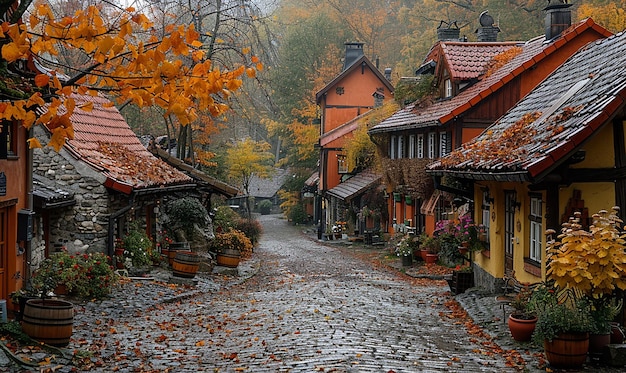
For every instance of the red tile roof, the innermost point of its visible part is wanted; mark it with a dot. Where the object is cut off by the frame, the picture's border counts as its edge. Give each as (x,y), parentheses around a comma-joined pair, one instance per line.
(428,114)
(467,61)
(103,139)
(552,122)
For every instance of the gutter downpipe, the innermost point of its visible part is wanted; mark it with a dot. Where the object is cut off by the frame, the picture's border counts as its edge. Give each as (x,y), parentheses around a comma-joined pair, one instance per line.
(112,218)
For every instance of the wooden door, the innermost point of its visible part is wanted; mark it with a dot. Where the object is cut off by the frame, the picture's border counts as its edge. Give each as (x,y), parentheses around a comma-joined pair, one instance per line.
(509,230)
(4,247)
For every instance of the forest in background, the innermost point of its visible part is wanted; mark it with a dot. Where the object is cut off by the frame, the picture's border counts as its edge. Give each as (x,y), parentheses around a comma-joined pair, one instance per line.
(301,44)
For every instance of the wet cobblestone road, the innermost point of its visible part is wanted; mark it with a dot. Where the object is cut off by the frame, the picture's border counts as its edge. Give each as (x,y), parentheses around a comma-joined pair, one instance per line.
(308,308)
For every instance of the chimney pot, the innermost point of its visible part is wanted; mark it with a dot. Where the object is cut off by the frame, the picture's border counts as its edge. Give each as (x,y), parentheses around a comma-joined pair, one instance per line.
(354,51)
(558,18)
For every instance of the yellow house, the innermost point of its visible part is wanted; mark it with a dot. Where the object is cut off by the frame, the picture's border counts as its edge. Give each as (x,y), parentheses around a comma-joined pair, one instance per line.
(559,150)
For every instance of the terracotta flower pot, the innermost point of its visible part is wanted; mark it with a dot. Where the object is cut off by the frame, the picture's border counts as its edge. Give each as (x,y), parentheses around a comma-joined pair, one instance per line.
(431,258)
(521,329)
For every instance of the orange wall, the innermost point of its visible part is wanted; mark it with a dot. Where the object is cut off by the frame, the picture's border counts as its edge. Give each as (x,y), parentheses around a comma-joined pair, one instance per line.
(356,99)
(16,172)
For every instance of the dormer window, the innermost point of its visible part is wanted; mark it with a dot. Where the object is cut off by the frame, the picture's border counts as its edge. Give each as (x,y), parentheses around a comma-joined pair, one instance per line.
(447,86)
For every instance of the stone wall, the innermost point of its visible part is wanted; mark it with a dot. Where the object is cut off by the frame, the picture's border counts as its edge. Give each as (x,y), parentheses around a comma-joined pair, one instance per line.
(486,281)
(82,227)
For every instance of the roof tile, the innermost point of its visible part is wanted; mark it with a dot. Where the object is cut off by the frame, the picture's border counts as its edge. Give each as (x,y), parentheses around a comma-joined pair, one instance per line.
(103,139)
(579,97)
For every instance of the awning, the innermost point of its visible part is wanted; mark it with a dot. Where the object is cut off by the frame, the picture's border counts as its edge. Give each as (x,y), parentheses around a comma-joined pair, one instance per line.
(355,185)
(47,197)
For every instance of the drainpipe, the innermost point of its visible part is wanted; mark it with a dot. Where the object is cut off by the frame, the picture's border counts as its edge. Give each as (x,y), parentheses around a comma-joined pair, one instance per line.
(28,255)
(112,218)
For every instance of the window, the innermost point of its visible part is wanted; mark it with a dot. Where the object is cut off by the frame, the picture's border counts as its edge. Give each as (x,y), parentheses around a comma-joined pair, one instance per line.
(392,147)
(342,164)
(431,145)
(420,146)
(411,146)
(443,144)
(8,136)
(400,147)
(447,88)
(486,214)
(536,229)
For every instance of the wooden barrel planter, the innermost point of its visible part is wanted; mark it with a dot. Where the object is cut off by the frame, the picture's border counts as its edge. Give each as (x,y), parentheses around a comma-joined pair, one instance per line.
(567,350)
(185,264)
(228,258)
(174,248)
(49,321)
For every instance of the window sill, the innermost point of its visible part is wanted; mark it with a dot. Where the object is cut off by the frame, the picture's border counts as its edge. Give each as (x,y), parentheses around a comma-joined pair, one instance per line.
(486,253)
(532,266)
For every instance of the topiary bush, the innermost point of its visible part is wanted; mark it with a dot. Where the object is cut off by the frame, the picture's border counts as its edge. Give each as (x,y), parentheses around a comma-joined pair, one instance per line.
(185,213)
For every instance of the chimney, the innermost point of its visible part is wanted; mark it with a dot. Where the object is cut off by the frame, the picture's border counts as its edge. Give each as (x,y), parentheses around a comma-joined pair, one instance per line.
(448,32)
(354,51)
(487,31)
(388,73)
(558,18)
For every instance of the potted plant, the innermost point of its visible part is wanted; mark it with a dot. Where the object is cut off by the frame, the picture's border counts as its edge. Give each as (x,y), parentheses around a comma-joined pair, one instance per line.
(603,312)
(404,249)
(461,279)
(58,273)
(523,319)
(589,263)
(563,325)
(230,247)
(432,246)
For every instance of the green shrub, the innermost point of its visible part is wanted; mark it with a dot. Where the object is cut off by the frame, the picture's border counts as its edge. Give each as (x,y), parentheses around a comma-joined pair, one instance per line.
(225,218)
(265,207)
(298,215)
(187,212)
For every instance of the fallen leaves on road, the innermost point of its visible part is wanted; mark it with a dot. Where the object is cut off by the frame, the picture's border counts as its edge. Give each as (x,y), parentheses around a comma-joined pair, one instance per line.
(487,346)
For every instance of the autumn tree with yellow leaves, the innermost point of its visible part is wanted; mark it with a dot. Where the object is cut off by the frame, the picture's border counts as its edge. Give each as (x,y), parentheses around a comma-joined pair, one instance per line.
(247,159)
(128,59)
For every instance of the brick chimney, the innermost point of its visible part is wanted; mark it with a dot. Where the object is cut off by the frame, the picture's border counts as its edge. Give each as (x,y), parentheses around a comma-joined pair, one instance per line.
(487,31)
(558,18)
(448,31)
(354,51)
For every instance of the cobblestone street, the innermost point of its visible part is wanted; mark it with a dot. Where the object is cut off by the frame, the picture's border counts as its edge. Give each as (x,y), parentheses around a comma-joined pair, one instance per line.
(297,306)
(309,307)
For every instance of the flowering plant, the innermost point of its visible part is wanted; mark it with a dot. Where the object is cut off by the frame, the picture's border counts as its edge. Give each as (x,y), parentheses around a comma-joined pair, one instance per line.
(406,246)
(86,275)
(164,240)
(339,226)
(137,245)
(461,232)
(463,269)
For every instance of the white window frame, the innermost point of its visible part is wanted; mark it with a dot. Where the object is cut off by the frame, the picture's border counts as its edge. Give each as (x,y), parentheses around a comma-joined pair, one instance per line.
(411,146)
(342,164)
(392,147)
(400,154)
(431,145)
(420,146)
(443,144)
(447,88)
(536,229)
(486,214)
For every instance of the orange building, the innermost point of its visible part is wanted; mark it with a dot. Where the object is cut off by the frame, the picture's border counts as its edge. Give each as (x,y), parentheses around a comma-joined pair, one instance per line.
(16,227)
(356,90)
(474,83)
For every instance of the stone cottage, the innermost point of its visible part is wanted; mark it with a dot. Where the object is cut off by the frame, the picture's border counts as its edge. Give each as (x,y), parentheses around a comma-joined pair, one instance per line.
(98,182)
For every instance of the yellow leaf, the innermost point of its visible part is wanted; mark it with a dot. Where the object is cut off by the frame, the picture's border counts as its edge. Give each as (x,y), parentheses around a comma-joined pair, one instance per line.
(11,52)
(250,72)
(88,106)
(33,143)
